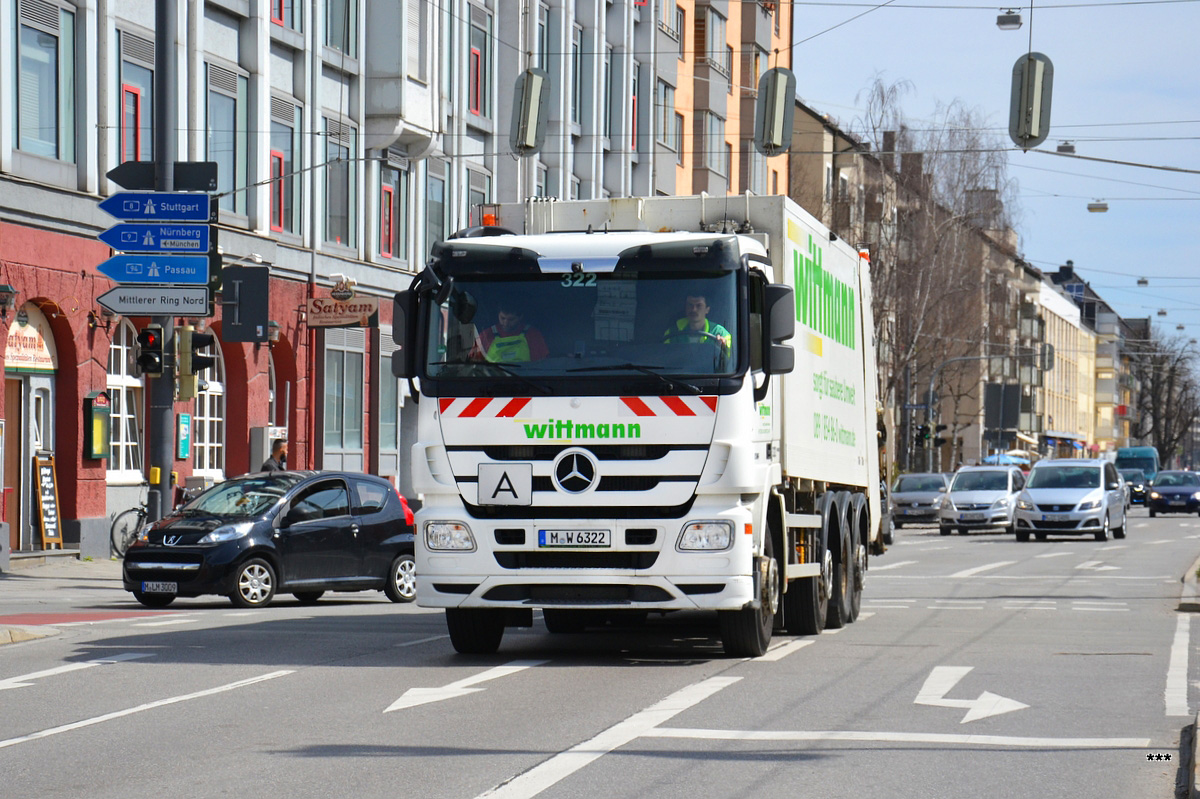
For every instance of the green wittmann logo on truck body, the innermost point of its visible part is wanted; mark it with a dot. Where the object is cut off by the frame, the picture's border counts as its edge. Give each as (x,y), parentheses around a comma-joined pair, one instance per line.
(565,428)
(823,302)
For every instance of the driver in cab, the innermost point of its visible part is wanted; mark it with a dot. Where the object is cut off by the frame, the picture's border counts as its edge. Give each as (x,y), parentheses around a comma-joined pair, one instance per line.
(695,326)
(510,340)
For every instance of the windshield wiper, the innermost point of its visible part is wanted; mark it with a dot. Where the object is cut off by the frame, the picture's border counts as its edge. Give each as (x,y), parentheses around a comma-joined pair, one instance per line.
(674,383)
(502,367)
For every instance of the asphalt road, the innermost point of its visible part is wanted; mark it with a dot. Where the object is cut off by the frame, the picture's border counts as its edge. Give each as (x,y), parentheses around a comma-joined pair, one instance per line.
(980,667)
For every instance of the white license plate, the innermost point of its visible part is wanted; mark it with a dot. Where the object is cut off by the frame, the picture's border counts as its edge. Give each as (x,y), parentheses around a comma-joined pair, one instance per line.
(971,517)
(159,588)
(910,511)
(574,538)
(1055,517)
(1178,502)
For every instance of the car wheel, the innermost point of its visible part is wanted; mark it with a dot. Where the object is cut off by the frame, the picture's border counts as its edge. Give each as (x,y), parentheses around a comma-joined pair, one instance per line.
(1152,513)
(1040,536)
(1022,534)
(963,531)
(897,525)
(154,600)
(944,530)
(889,535)
(402,579)
(1102,533)
(308,597)
(254,586)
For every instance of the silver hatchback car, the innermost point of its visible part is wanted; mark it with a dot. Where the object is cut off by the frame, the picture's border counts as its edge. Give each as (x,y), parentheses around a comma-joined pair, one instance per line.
(1071,496)
(980,498)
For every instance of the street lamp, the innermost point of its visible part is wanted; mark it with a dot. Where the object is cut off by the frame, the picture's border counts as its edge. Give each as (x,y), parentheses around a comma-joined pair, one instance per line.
(1097,207)
(1066,147)
(1143,281)
(8,298)
(1008,20)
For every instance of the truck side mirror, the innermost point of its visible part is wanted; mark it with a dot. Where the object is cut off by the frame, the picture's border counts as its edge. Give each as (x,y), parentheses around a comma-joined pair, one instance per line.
(780,301)
(404,333)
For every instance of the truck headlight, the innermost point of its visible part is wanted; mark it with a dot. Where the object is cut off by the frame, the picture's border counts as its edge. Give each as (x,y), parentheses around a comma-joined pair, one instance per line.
(708,536)
(449,535)
(228,532)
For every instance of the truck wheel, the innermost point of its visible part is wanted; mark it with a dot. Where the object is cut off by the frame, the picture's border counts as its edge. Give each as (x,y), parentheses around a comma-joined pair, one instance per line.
(475,631)
(747,632)
(859,524)
(807,599)
(838,613)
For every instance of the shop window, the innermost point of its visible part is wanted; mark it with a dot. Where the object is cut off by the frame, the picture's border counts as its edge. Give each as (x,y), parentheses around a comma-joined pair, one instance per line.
(208,422)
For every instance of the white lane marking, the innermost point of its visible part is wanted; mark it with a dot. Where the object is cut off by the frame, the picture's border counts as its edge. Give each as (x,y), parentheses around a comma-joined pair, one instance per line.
(564,764)
(1098,602)
(943,679)
(1152,543)
(895,565)
(1176,692)
(933,549)
(234,613)
(1114,546)
(864,616)
(1103,610)
(422,640)
(899,737)
(1052,554)
(1161,578)
(421,696)
(1096,566)
(22,681)
(986,567)
(75,725)
(1192,536)
(167,623)
(783,650)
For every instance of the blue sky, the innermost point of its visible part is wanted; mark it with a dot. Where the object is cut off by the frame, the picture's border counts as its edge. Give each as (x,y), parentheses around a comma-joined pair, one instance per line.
(1115,63)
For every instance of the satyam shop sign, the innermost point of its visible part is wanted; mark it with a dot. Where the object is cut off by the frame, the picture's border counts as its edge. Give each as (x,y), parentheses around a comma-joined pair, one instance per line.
(355,312)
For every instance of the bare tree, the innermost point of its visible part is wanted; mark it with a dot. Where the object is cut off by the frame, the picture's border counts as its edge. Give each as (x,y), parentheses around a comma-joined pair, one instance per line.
(1168,399)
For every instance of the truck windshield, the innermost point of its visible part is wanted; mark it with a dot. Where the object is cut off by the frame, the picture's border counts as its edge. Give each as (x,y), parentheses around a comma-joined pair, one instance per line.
(673,323)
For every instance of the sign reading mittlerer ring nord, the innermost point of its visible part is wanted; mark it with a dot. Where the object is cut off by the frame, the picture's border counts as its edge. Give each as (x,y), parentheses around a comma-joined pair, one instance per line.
(156,300)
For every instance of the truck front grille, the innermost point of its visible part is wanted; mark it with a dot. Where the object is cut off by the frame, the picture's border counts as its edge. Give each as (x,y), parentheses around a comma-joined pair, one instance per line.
(576,560)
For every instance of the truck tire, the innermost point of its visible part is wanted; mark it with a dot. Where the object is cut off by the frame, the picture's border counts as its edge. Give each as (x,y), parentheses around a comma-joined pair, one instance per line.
(838,614)
(746,633)
(475,631)
(807,600)
(860,524)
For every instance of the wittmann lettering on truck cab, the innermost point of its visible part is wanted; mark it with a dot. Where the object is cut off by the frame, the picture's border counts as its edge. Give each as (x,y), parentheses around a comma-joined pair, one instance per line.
(671,417)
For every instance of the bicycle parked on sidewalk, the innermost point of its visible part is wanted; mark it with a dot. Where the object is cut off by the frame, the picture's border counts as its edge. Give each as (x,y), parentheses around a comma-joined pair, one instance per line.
(126,527)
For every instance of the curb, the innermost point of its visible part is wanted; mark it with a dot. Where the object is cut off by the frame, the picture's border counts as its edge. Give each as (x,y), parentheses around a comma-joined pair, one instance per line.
(16,635)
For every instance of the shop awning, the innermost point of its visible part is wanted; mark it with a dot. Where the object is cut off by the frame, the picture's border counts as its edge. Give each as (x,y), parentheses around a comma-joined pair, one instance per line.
(1027,439)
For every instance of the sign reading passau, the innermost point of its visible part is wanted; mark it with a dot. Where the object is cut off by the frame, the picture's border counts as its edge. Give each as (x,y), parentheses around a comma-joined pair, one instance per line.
(358,312)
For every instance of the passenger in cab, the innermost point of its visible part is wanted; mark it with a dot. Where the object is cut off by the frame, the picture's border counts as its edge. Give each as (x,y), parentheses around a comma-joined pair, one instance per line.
(510,340)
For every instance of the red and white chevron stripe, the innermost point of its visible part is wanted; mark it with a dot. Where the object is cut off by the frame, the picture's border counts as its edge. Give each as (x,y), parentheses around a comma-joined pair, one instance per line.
(500,408)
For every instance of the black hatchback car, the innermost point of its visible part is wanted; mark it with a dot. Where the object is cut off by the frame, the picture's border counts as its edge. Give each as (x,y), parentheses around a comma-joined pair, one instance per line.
(1138,485)
(1174,492)
(251,537)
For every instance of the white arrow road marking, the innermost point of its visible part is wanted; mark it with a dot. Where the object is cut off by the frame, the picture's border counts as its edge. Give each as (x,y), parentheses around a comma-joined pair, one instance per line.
(421,696)
(895,565)
(1096,566)
(148,706)
(984,568)
(21,682)
(943,678)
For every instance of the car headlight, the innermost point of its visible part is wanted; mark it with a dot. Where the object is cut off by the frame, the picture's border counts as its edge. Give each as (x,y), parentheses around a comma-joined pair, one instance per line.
(1089,505)
(937,503)
(1196,495)
(449,535)
(143,536)
(1024,504)
(1000,503)
(1155,495)
(710,536)
(227,532)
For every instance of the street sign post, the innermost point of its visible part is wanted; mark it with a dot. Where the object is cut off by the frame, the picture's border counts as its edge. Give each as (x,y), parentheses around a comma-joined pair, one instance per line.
(157,301)
(169,269)
(189,175)
(157,206)
(157,237)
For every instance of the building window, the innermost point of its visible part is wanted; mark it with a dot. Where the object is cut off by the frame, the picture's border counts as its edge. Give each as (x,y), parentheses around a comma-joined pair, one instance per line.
(479,100)
(664,114)
(479,192)
(343,400)
(208,422)
(341,26)
(710,39)
(227,141)
(729,67)
(633,106)
(393,208)
(45,81)
(137,98)
(608,89)
(125,395)
(678,138)
(539,185)
(418,53)
(543,38)
(435,210)
(285,165)
(340,183)
(285,13)
(681,27)
(576,74)
(714,142)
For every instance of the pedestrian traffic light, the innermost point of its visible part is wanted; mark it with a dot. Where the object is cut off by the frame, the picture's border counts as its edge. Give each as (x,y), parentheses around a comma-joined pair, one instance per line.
(150,350)
(187,342)
(938,440)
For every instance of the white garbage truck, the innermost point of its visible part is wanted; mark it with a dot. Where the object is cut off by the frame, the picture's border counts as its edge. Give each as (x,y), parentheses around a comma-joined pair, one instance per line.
(642,405)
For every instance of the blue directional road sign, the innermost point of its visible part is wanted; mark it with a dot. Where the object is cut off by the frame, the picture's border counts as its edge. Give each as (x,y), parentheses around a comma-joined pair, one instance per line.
(157,206)
(156,237)
(162,269)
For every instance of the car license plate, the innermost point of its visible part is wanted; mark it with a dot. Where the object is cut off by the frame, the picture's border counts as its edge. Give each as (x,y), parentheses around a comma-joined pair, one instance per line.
(908,511)
(971,517)
(1178,502)
(1055,517)
(159,588)
(574,538)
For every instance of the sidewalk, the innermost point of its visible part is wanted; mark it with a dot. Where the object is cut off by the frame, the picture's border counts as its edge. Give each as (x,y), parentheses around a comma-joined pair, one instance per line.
(55,568)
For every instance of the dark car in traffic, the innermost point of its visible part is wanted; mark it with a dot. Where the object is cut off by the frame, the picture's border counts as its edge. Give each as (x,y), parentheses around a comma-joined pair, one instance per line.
(299,532)
(1174,492)
(1137,482)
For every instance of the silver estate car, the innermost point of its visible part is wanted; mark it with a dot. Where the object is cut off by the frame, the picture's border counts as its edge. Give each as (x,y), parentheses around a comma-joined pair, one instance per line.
(917,497)
(1071,496)
(981,498)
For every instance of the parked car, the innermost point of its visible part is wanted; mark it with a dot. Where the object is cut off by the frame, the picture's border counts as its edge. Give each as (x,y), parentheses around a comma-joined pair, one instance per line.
(251,537)
(917,497)
(1136,479)
(1174,492)
(1071,496)
(981,498)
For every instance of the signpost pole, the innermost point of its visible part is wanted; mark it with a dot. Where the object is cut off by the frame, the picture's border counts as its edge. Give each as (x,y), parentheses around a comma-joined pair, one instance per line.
(160,422)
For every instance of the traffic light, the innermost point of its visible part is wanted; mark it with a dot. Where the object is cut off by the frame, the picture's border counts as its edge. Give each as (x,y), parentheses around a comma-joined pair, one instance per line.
(187,342)
(922,435)
(150,350)
(938,440)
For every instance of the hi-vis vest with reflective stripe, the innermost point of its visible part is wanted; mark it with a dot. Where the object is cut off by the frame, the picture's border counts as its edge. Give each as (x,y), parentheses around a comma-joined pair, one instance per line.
(508,348)
(680,333)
